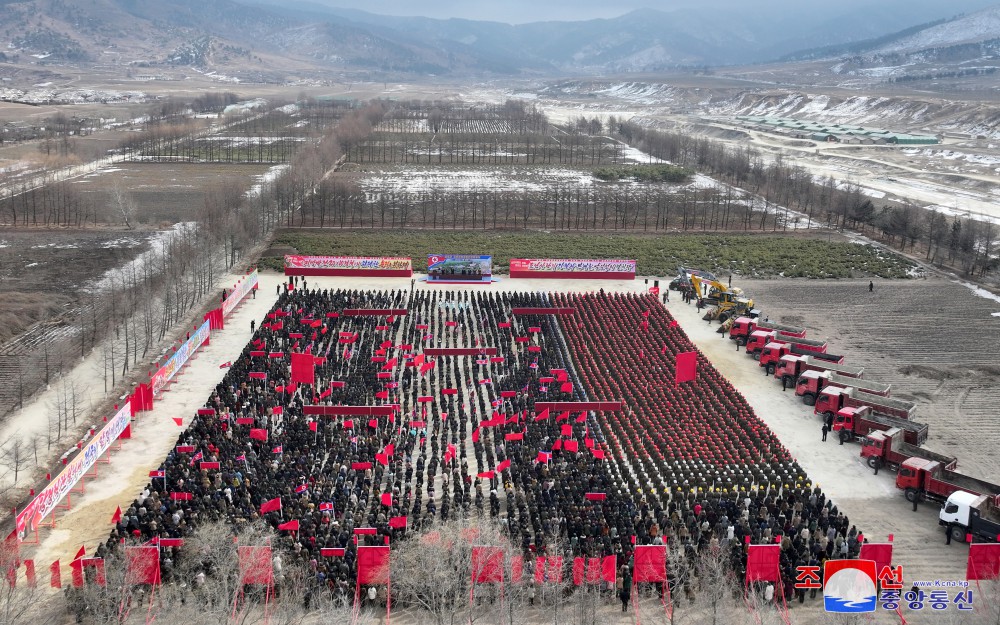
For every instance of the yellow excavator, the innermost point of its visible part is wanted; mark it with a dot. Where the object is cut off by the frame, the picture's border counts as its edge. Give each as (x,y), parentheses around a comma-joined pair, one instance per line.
(726,302)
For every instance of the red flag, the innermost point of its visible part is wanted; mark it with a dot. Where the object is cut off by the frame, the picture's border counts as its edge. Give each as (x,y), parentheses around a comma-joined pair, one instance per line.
(596,496)
(277,450)
(259,434)
(475,435)
(270,506)
(80,553)
(290,526)
(566,387)
(503,465)
(397,522)
(487,475)
(179,420)
(117,516)
(386,499)
(598,453)
(578,564)
(383,459)
(55,575)
(609,568)
(542,415)
(332,552)
(514,436)
(157,474)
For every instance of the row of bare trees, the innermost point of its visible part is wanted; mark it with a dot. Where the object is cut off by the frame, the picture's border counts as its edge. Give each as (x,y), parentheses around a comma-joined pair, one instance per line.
(338,203)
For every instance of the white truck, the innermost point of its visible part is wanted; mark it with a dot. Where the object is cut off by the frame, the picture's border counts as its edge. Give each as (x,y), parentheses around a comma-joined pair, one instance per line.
(972,515)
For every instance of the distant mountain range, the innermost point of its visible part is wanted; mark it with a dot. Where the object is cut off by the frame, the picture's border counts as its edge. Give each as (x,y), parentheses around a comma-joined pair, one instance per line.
(272,40)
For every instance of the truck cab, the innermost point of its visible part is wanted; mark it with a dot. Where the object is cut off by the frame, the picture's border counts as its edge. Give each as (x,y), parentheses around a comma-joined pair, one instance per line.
(874,447)
(971,516)
(829,400)
(845,422)
(771,354)
(788,368)
(912,475)
(741,329)
(809,385)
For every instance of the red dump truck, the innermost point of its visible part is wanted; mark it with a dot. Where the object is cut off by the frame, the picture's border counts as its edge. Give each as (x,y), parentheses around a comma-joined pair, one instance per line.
(810,383)
(929,479)
(743,327)
(833,398)
(790,367)
(761,338)
(854,422)
(889,449)
(770,356)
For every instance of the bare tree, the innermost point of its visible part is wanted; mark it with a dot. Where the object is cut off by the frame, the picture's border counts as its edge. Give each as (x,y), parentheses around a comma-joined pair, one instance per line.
(124,203)
(15,455)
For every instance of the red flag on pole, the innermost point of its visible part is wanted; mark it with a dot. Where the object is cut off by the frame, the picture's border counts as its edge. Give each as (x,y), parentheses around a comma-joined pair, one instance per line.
(117,516)
(290,526)
(270,506)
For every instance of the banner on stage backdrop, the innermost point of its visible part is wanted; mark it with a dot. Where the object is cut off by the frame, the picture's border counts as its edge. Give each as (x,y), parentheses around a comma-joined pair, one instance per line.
(54,492)
(459,268)
(181,356)
(242,288)
(572,268)
(348,266)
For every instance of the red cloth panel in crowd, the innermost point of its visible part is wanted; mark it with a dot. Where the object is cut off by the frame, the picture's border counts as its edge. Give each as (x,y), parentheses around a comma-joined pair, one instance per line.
(373,565)
(460,351)
(577,406)
(650,563)
(554,310)
(374,312)
(881,553)
(255,565)
(142,565)
(687,367)
(375,411)
(303,369)
(984,561)
(487,565)
(763,563)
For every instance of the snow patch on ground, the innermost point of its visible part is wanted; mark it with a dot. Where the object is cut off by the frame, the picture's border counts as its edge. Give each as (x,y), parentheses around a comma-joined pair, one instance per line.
(265,179)
(247,105)
(157,242)
(981,292)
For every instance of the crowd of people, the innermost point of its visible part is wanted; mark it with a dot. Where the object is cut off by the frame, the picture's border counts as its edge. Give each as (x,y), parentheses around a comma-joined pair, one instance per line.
(467,441)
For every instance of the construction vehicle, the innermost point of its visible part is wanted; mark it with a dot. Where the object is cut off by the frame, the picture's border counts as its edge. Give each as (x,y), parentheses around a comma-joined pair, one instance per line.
(726,301)
(928,479)
(805,347)
(790,367)
(810,383)
(971,517)
(889,449)
(833,398)
(850,423)
(683,279)
(743,327)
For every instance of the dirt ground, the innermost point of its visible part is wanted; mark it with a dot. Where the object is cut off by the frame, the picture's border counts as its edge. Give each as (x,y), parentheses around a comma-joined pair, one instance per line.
(165,192)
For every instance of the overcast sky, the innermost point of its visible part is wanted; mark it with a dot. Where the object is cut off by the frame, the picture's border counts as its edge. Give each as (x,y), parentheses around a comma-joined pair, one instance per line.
(520,11)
